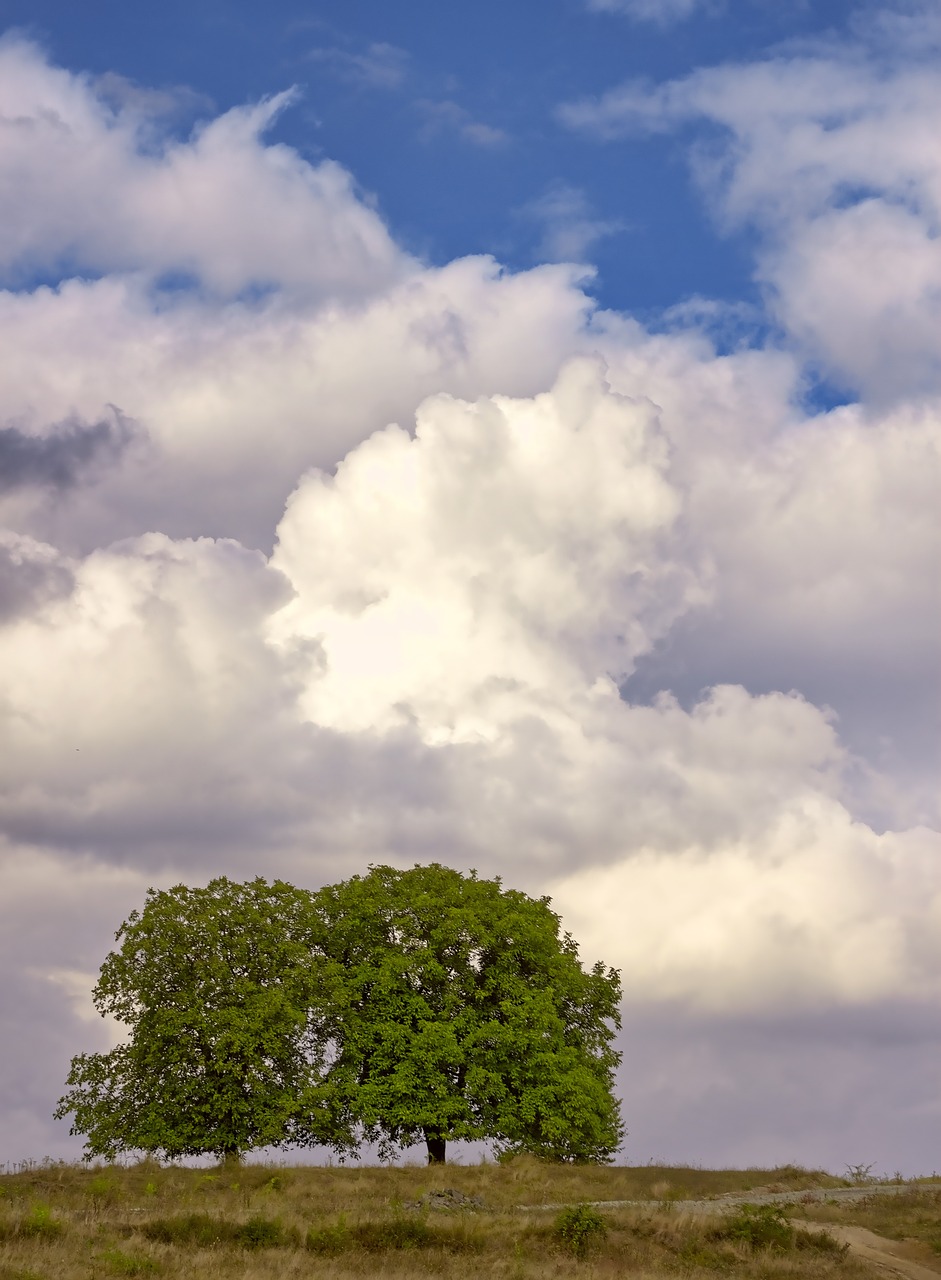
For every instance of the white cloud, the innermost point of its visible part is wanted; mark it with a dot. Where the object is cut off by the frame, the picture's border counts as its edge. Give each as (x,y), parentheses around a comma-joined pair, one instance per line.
(427,664)
(79,187)
(478,562)
(380,66)
(815,911)
(571,227)
(443,116)
(833,157)
(233,402)
(662,13)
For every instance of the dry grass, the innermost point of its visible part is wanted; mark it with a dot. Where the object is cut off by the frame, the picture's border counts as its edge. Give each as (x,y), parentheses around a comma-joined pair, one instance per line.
(914,1214)
(67,1222)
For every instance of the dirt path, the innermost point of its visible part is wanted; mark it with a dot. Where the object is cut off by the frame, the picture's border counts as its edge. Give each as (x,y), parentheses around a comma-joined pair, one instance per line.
(890,1256)
(893,1258)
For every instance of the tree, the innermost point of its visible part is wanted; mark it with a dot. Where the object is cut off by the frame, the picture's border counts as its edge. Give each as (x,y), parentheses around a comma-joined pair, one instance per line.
(457,1010)
(220,990)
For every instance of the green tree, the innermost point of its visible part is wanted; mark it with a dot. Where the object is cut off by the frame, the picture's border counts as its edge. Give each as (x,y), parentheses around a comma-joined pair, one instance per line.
(220,991)
(457,1010)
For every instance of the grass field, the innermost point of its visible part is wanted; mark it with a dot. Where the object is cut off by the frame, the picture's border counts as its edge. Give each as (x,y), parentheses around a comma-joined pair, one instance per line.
(259,1222)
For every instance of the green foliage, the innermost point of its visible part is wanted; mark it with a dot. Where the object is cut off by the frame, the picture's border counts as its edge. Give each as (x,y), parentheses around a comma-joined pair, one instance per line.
(579,1229)
(819,1242)
(120,1263)
(204,1231)
(397,1007)
(331,1238)
(220,989)
(761,1226)
(459,1012)
(102,1190)
(403,1231)
(40,1224)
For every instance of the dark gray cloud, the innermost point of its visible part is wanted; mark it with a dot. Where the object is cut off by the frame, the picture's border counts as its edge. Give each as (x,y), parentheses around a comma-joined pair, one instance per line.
(60,459)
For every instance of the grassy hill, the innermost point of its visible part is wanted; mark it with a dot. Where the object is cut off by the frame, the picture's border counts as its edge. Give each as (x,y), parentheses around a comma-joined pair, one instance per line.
(259,1222)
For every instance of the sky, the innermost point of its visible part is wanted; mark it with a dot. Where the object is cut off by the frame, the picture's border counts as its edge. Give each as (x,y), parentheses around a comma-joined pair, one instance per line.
(501,435)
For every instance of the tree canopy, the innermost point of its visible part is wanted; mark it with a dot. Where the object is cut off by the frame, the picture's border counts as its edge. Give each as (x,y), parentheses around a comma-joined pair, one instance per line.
(225,1050)
(396,1007)
(459,1011)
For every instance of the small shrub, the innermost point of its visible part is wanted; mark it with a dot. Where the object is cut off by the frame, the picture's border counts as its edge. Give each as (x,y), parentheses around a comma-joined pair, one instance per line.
(331,1239)
(204,1231)
(696,1254)
(39,1224)
(761,1226)
(120,1263)
(198,1229)
(102,1190)
(400,1232)
(580,1229)
(266,1233)
(819,1242)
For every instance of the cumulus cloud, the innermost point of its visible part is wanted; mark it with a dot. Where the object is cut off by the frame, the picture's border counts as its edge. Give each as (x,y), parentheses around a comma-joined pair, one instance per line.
(30,574)
(80,189)
(508,542)
(832,156)
(238,400)
(443,563)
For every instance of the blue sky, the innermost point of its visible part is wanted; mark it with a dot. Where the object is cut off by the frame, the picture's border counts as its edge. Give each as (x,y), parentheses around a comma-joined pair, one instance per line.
(507,436)
(395,92)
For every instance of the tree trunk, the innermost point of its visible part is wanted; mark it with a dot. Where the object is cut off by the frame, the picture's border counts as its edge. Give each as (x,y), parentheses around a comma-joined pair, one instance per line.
(436,1146)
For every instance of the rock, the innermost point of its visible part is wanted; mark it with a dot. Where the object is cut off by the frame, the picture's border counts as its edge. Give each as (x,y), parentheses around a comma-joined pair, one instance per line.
(448,1199)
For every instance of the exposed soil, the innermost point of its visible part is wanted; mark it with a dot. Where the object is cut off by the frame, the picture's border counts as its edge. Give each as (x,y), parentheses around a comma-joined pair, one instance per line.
(892,1257)
(907,1260)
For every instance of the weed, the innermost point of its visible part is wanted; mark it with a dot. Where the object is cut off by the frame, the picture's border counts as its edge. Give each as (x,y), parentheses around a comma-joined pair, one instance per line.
(580,1229)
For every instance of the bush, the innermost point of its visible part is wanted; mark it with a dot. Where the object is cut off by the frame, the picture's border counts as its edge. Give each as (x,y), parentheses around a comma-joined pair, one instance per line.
(580,1229)
(266,1233)
(103,1190)
(204,1231)
(120,1263)
(761,1226)
(40,1224)
(820,1242)
(331,1239)
(401,1232)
